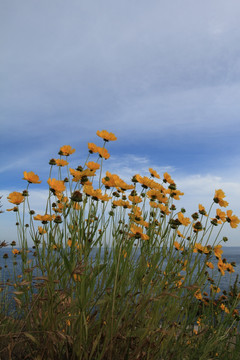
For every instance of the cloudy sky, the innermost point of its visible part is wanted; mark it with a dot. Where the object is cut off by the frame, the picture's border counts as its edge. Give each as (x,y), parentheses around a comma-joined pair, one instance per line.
(163,76)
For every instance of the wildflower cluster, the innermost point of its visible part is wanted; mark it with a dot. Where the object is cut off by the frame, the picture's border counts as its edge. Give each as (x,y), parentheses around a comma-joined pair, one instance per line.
(117,268)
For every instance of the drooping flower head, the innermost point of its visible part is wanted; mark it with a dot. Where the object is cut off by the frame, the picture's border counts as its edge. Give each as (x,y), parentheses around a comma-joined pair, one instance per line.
(154,173)
(218,198)
(232,219)
(31,177)
(106,136)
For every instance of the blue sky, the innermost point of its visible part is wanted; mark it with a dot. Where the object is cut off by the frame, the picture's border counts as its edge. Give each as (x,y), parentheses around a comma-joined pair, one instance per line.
(164,76)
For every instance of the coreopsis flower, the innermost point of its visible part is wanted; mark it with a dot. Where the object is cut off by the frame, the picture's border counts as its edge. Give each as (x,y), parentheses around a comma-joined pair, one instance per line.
(57,185)
(230,268)
(210,265)
(66,150)
(106,136)
(232,219)
(44,218)
(31,177)
(202,210)
(15,209)
(218,198)
(174,193)
(15,198)
(124,204)
(92,148)
(138,232)
(180,234)
(41,230)
(218,251)
(198,294)
(103,153)
(178,246)
(183,220)
(135,199)
(199,248)
(15,251)
(93,165)
(220,215)
(167,178)
(222,267)
(61,162)
(164,209)
(215,289)
(109,180)
(154,173)
(224,308)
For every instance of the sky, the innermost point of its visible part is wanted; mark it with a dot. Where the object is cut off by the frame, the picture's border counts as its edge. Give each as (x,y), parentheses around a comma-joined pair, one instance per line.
(163,76)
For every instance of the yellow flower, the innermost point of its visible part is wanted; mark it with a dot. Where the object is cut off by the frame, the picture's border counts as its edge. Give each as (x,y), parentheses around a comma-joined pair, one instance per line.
(222,267)
(44,218)
(56,185)
(135,199)
(124,204)
(210,265)
(218,251)
(15,198)
(164,209)
(202,210)
(198,294)
(183,220)
(106,136)
(178,246)
(224,308)
(31,177)
(200,249)
(61,162)
(218,198)
(66,150)
(103,153)
(15,251)
(93,165)
(180,234)
(138,232)
(41,230)
(167,178)
(232,219)
(92,148)
(154,173)
(221,215)
(215,289)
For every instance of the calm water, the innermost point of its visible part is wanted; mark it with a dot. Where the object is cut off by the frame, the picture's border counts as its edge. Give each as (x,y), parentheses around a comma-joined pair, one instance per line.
(232,254)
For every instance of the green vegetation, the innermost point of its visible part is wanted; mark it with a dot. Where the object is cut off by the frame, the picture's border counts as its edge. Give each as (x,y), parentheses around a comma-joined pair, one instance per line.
(117,271)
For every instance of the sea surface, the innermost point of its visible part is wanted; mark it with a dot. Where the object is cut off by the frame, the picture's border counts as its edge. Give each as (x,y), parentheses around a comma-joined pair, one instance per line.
(232,254)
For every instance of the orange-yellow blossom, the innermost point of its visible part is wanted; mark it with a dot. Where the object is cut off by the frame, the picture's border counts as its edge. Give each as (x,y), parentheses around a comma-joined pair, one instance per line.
(31,177)
(106,136)
(15,198)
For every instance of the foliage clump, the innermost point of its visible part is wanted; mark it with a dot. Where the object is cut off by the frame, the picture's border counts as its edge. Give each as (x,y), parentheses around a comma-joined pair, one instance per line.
(116,270)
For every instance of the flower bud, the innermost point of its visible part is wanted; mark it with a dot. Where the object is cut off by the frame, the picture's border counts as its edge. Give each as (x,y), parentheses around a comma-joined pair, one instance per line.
(76,196)
(25,193)
(195,216)
(52,162)
(58,219)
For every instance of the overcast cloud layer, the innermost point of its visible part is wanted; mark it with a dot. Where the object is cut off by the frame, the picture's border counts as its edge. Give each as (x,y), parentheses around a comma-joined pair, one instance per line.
(164,76)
